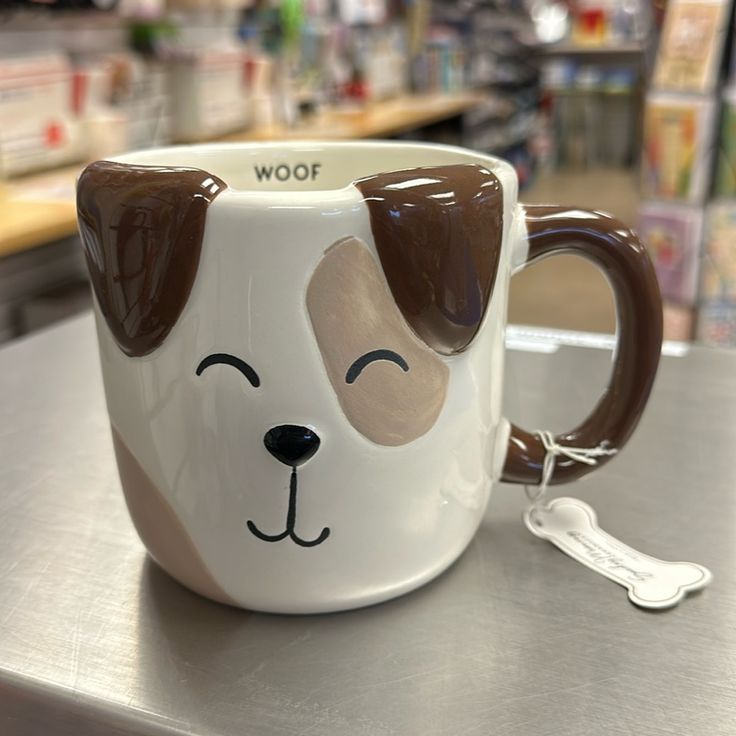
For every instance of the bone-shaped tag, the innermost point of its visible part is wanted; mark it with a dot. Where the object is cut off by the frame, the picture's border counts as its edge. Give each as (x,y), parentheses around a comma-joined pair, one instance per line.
(572,526)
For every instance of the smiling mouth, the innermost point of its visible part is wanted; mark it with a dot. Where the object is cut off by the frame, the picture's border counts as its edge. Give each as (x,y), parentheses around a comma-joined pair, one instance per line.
(290,522)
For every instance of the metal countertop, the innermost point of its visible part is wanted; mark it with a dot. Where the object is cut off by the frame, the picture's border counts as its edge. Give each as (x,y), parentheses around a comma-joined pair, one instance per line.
(514,639)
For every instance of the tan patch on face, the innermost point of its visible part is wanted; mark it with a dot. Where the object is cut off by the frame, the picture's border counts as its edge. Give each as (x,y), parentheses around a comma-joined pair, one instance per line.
(160,530)
(352,314)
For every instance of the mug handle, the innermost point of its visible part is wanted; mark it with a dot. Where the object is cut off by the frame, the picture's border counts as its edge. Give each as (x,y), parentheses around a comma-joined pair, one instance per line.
(621,256)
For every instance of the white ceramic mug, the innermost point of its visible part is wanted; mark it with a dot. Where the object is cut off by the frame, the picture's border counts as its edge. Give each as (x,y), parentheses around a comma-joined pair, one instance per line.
(302,350)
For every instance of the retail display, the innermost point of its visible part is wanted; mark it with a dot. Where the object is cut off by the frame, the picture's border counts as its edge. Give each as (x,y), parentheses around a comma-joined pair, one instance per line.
(717,324)
(494,41)
(716,319)
(38,127)
(590,113)
(676,161)
(691,47)
(673,235)
(377,399)
(123,102)
(681,160)
(166,76)
(719,262)
(717,313)
(725,183)
(209,94)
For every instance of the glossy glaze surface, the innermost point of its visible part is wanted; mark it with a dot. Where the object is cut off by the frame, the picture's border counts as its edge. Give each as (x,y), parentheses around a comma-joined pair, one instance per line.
(438,231)
(622,257)
(291,444)
(160,529)
(262,415)
(142,228)
(358,522)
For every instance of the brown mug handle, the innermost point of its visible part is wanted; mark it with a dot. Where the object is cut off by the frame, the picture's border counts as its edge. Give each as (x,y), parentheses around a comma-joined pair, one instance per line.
(619,253)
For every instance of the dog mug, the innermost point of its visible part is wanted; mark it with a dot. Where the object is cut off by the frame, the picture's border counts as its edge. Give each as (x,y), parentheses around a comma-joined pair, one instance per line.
(302,351)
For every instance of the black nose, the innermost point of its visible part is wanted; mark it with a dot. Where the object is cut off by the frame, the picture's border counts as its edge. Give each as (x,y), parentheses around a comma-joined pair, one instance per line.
(291,444)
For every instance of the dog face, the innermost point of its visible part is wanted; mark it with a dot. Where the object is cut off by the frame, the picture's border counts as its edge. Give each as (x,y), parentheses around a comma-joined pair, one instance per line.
(297,410)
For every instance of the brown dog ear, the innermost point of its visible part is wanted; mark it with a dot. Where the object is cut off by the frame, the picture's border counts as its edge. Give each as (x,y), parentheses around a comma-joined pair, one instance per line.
(142,229)
(438,231)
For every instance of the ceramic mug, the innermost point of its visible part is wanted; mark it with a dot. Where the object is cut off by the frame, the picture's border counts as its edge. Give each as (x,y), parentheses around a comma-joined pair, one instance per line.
(302,349)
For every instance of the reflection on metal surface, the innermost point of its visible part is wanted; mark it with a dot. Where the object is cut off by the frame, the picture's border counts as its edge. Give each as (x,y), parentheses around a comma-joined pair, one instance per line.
(548,339)
(94,639)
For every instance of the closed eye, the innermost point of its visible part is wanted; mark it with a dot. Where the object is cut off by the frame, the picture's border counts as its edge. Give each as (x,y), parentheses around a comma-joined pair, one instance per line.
(360,363)
(235,362)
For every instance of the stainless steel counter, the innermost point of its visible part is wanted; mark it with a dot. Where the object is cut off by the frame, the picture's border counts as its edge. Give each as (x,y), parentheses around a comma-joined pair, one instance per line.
(514,639)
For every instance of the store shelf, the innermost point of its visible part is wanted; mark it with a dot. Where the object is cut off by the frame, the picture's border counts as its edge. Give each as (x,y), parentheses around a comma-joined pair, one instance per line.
(615,53)
(39,209)
(598,89)
(376,121)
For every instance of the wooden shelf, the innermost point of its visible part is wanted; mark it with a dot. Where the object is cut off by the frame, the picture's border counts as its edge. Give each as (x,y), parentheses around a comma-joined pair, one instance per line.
(38,209)
(375,121)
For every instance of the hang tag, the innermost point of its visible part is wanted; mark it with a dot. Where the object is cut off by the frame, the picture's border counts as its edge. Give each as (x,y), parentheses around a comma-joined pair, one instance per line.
(572,526)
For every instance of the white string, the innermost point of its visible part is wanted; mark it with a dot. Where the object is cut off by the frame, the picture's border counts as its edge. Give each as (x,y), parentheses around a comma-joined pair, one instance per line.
(587,455)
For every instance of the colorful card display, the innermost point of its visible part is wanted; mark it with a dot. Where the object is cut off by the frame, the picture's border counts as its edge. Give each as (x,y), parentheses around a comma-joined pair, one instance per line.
(694,253)
(725,181)
(673,237)
(717,313)
(719,254)
(677,147)
(717,324)
(691,45)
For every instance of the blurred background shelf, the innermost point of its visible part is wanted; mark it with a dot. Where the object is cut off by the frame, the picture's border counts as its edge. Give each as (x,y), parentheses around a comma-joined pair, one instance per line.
(535,296)
(379,120)
(552,86)
(604,54)
(25,227)
(39,208)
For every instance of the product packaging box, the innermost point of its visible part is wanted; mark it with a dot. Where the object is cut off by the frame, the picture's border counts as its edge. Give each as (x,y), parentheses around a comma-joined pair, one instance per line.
(209,94)
(38,126)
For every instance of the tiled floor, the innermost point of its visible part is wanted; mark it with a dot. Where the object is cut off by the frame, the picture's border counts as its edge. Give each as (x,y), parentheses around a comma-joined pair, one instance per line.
(566,291)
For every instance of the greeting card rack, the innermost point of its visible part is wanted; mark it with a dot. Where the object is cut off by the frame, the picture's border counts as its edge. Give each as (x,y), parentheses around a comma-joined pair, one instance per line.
(688,183)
